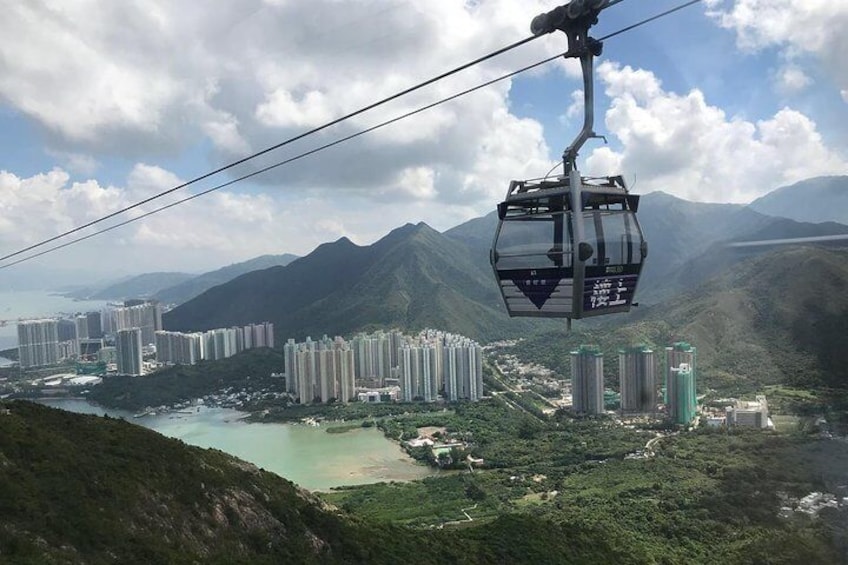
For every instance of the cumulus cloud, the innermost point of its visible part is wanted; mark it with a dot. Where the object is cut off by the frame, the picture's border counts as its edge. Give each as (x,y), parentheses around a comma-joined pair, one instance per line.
(800,29)
(147,79)
(793,79)
(575,109)
(206,233)
(681,144)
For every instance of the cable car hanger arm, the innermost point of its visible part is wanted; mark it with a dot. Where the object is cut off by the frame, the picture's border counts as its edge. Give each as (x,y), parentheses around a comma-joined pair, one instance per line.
(575,19)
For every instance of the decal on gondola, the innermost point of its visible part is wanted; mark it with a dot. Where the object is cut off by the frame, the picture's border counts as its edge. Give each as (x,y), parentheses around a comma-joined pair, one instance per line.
(538,291)
(608,292)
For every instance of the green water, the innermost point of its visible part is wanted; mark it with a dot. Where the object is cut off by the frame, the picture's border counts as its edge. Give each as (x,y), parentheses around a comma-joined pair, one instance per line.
(305,455)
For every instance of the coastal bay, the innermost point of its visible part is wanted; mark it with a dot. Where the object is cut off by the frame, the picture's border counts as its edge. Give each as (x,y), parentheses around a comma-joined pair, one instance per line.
(306,455)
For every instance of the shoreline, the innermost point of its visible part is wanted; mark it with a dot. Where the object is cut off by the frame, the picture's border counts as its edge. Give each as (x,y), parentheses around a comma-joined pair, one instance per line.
(330,465)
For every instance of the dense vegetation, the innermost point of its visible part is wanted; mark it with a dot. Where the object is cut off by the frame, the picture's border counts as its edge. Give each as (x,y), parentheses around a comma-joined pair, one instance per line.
(553,490)
(84,489)
(703,496)
(249,371)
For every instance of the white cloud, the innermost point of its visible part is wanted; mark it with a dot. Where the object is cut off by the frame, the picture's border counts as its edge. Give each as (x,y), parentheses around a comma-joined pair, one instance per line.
(281,109)
(575,109)
(80,163)
(224,133)
(680,144)
(249,74)
(43,205)
(793,79)
(799,28)
(205,233)
(147,180)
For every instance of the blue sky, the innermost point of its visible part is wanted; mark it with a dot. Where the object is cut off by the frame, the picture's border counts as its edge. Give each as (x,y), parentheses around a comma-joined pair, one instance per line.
(100,108)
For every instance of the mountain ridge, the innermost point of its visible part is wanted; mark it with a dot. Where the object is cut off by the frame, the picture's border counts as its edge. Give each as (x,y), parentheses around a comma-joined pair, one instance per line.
(188,289)
(145,285)
(411,278)
(818,199)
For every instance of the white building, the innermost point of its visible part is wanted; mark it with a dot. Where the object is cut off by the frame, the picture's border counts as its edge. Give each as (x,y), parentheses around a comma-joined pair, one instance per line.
(38,343)
(749,414)
(128,348)
(147,317)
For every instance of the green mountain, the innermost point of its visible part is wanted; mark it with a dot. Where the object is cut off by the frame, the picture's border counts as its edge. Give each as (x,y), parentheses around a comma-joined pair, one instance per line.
(679,231)
(724,255)
(413,278)
(779,317)
(821,199)
(85,489)
(416,277)
(186,290)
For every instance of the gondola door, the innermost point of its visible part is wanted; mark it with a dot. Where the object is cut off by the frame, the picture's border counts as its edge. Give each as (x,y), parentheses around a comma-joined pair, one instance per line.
(532,258)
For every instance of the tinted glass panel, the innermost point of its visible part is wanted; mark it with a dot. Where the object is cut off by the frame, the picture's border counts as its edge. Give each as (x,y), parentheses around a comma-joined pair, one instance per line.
(615,237)
(620,237)
(530,243)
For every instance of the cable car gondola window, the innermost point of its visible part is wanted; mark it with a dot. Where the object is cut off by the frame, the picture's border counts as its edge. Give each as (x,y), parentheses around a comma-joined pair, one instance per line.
(531,242)
(618,241)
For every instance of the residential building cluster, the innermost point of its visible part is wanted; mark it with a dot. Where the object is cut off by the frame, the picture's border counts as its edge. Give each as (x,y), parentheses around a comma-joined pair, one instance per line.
(324,370)
(437,361)
(587,380)
(38,343)
(129,351)
(368,367)
(680,384)
(125,335)
(638,379)
(50,341)
(141,314)
(178,348)
(638,374)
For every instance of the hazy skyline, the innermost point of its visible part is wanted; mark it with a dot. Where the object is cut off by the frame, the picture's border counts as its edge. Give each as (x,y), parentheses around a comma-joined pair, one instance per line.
(102,104)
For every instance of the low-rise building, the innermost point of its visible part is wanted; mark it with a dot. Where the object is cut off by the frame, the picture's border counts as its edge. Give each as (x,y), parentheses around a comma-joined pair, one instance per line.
(750,414)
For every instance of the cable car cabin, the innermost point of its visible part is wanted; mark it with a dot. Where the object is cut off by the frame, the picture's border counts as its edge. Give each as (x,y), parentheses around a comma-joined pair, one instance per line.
(553,262)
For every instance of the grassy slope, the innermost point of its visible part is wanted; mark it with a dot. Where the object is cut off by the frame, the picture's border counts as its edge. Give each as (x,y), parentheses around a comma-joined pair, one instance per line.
(77,488)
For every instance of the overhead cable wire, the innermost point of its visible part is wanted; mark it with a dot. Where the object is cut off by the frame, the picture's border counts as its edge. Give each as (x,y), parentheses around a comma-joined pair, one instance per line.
(648,20)
(285,162)
(307,153)
(298,137)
